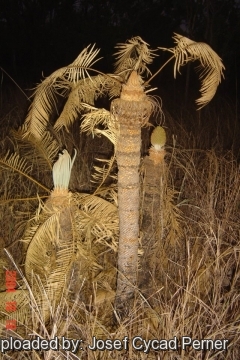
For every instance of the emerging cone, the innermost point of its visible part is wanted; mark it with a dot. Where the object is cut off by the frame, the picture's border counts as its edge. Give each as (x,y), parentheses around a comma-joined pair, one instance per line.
(62,170)
(158,140)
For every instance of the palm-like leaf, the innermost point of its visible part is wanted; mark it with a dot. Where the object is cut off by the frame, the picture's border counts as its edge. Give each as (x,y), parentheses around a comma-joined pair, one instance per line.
(50,255)
(58,83)
(20,165)
(133,55)
(95,117)
(102,173)
(21,298)
(98,217)
(41,153)
(211,65)
(71,109)
(85,91)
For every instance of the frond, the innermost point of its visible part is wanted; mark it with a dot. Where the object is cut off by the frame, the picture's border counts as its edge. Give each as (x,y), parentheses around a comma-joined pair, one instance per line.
(108,193)
(113,85)
(42,248)
(79,68)
(98,217)
(30,230)
(44,102)
(85,91)
(70,111)
(19,295)
(96,117)
(39,152)
(102,173)
(211,65)
(133,55)
(50,256)
(20,165)
(21,298)
(57,84)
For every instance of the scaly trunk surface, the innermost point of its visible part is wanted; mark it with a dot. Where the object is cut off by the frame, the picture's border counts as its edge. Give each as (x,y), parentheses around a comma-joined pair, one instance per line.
(131,111)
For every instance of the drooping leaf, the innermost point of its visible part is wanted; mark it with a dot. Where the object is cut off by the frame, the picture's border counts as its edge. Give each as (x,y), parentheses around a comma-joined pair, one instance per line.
(57,84)
(20,165)
(39,152)
(211,66)
(95,117)
(133,55)
(87,90)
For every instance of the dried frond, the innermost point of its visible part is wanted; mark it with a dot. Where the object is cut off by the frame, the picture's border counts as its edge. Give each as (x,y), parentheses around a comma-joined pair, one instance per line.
(85,91)
(57,83)
(113,85)
(71,109)
(133,55)
(50,255)
(20,165)
(42,248)
(98,217)
(39,152)
(21,298)
(31,229)
(211,65)
(79,68)
(108,193)
(102,173)
(96,117)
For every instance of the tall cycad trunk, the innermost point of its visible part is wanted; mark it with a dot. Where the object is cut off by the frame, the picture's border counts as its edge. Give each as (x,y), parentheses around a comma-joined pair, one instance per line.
(131,111)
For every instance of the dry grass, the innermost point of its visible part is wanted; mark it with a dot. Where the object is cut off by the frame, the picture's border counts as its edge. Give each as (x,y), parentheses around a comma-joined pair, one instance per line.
(194,282)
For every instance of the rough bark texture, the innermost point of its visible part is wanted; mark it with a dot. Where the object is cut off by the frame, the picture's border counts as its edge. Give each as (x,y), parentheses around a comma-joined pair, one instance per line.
(131,112)
(162,243)
(151,223)
(128,157)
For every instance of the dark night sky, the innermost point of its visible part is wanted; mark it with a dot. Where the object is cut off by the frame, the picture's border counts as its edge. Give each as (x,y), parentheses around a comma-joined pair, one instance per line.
(39,36)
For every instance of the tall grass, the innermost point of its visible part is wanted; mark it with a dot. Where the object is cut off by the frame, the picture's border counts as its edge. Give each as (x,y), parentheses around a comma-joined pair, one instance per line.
(193,281)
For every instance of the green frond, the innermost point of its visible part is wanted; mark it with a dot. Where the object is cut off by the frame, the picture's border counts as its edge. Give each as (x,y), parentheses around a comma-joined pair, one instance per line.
(20,165)
(57,84)
(211,66)
(133,55)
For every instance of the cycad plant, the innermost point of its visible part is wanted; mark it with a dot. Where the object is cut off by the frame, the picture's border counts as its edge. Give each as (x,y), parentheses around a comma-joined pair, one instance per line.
(131,107)
(57,239)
